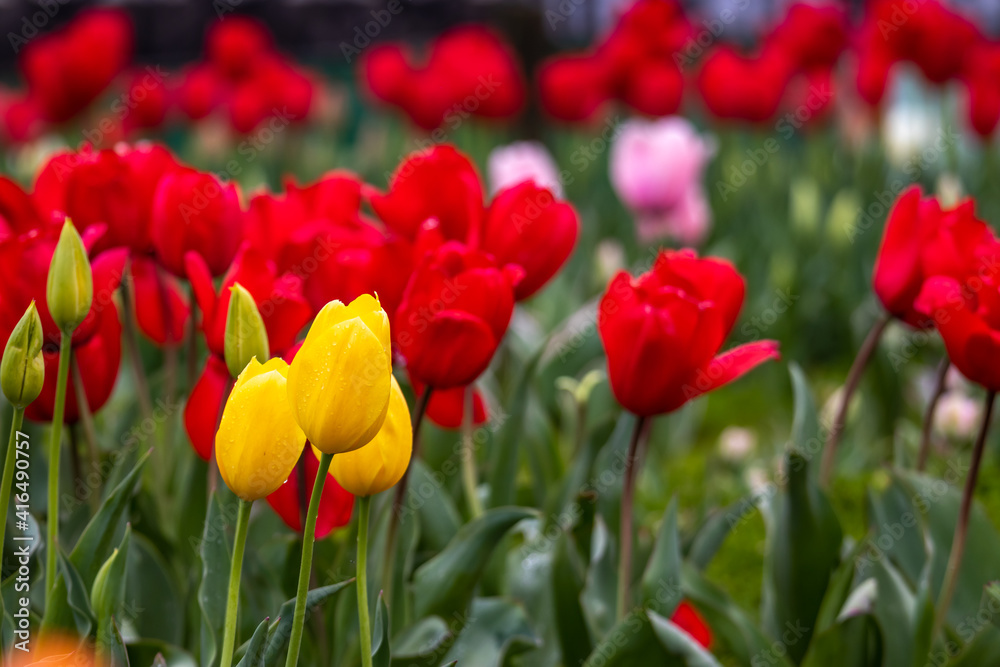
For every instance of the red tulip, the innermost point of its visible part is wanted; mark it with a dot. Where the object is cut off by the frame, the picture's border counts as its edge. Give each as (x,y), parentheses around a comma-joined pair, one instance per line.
(193,211)
(447,406)
(469,70)
(454,313)
(738,87)
(160,305)
(662,331)
(204,406)
(813,36)
(690,621)
(573,88)
(292,497)
(200,91)
(439,184)
(233,44)
(527,226)
(68,69)
(654,88)
(921,241)
(982,80)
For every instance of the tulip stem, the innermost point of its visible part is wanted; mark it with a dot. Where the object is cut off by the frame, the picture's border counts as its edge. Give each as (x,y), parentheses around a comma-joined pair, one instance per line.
(469,456)
(364,504)
(628,489)
(55,447)
(233,599)
(132,348)
(305,567)
(8,480)
(962,526)
(419,410)
(853,379)
(925,435)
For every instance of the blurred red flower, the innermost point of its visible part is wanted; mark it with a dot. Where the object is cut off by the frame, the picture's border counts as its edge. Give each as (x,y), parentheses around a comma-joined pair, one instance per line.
(454,312)
(662,331)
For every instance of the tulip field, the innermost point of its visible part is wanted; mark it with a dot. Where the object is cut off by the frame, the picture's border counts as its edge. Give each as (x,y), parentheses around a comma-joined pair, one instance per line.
(629,334)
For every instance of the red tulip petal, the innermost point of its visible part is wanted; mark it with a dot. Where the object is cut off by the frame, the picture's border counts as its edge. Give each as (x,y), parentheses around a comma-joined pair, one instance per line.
(204,406)
(729,366)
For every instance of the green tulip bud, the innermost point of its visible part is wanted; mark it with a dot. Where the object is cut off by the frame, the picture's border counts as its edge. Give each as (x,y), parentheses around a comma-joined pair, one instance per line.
(246,336)
(22,371)
(107,594)
(70,288)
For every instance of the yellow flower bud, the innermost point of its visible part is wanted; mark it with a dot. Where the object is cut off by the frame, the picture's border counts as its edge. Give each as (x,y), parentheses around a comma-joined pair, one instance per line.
(70,288)
(246,336)
(258,443)
(22,371)
(339,381)
(381,463)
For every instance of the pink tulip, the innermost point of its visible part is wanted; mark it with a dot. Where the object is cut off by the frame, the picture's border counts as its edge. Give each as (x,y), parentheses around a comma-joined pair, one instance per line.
(523,161)
(657,169)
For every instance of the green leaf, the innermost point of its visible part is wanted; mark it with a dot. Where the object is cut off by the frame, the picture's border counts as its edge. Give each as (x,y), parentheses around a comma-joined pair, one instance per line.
(599,596)
(803,551)
(114,648)
(679,643)
(254,655)
(214,550)
(729,623)
(984,649)
(445,584)
(381,652)
(422,644)
(506,444)
(992,601)
(856,642)
(94,545)
(896,613)
(69,607)
(567,586)
(497,631)
(661,582)
(439,518)
(153,604)
(281,629)
(631,643)
(710,537)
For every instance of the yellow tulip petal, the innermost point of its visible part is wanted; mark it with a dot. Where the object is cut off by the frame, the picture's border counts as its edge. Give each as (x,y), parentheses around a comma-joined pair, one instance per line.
(338,384)
(381,463)
(258,443)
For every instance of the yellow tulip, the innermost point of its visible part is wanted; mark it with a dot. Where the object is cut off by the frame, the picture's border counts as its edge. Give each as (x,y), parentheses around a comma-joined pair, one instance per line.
(338,383)
(381,463)
(258,442)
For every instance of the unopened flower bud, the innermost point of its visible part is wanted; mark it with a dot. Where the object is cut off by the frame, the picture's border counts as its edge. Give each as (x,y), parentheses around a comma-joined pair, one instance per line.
(70,288)
(246,336)
(22,371)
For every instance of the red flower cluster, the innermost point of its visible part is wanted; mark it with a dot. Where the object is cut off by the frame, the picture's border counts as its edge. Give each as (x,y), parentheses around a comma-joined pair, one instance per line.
(245,76)
(27,242)
(662,332)
(929,34)
(922,240)
(471,262)
(636,64)
(66,70)
(468,71)
(805,45)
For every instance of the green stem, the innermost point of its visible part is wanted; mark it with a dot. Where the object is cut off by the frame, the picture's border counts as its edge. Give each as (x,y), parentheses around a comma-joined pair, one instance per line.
(305,567)
(962,525)
(232,603)
(628,490)
(364,503)
(8,480)
(469,457)
(55,447)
